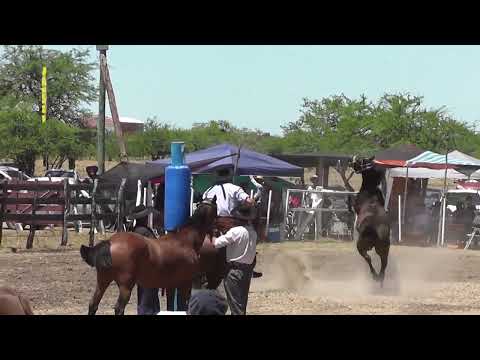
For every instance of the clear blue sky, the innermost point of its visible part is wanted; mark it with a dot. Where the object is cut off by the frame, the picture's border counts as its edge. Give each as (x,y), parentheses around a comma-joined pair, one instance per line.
(263,86)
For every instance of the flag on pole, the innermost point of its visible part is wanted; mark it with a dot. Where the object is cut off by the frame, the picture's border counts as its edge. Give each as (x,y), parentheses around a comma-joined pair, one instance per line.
(44,94)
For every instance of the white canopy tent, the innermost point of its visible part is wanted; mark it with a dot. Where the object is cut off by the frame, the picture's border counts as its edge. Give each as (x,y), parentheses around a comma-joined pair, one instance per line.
(437,167)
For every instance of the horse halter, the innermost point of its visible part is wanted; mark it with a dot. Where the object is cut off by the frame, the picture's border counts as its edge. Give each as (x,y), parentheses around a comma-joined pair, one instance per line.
(208,202)
(361,165)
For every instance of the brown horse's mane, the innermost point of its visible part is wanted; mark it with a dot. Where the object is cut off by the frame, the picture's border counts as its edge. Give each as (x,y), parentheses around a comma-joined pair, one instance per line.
(196,221)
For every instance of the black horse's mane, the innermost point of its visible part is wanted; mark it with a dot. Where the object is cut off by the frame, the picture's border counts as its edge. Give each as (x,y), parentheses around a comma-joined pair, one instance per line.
(371,178)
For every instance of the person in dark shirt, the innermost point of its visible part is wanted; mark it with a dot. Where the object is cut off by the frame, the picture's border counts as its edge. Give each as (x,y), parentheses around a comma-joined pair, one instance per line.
(148,302)
(92,172)
(207,302)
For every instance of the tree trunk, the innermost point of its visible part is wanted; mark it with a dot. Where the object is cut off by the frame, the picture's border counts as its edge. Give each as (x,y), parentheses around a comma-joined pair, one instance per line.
(26,163)
(346,180)
(71,163)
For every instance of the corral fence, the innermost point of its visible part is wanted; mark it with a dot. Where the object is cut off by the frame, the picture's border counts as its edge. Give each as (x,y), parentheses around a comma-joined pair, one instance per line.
(46,203)
(297,207)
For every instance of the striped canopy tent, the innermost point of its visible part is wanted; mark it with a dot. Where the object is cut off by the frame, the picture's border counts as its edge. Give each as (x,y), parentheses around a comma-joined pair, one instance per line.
(469,170)
(453,160)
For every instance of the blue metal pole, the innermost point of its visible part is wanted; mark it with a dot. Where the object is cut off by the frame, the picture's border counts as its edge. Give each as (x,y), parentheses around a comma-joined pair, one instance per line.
(177,203)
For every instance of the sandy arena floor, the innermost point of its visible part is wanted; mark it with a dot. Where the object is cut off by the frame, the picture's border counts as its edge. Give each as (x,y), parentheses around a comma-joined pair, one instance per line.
(299,278)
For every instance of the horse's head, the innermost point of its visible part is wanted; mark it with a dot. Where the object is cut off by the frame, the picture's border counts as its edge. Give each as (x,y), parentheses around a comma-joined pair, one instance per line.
(206,213)
(360,165)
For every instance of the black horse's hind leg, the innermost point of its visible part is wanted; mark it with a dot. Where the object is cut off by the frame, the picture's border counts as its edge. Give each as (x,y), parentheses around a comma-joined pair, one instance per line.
(363,252)
(382,251)
(382,248)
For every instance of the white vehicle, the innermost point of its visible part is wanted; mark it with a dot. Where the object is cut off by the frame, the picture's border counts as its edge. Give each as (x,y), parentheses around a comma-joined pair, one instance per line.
(10,173)
(58,175)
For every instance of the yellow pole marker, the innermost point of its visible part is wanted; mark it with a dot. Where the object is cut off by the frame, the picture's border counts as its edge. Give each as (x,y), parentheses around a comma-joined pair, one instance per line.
(44,94)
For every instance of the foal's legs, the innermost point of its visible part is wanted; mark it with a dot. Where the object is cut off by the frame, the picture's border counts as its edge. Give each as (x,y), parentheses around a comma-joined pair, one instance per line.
(123,299)
(103,280)
(125,286)
(362,249)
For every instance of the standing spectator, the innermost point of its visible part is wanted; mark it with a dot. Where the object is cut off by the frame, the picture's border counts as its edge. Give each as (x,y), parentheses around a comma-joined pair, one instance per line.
(241,242)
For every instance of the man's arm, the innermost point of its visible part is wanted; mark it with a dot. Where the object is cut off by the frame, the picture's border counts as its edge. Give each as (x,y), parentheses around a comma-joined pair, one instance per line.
(242,197)
(229,238)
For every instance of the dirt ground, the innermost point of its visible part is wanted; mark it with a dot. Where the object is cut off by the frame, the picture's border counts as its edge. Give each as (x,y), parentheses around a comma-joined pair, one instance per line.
(324,277)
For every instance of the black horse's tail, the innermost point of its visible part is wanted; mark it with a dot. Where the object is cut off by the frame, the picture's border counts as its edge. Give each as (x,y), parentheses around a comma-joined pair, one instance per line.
(98,256)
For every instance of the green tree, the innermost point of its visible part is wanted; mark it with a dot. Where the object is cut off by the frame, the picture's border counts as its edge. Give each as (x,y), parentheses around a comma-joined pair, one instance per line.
(358,126)
(70,83)
(23,137)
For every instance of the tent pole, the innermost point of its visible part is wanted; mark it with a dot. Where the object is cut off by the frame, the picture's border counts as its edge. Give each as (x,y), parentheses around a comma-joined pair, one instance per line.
(285,213)
(268,212)
(439,235)
(399,218)
(405,196)
(236,164)
(444,207)
(445,198)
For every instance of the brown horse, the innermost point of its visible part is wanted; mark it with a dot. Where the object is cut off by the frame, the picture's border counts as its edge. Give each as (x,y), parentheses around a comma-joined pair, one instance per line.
(12,303)
(168,262)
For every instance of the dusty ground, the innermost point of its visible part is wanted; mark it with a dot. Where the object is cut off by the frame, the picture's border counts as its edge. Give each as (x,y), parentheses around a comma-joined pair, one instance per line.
(299,278)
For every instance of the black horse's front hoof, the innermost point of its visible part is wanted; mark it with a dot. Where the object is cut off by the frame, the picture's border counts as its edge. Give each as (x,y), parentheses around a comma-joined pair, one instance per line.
(257,274)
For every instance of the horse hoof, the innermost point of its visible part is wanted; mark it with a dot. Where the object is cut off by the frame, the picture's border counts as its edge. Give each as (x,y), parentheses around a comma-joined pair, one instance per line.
(257,274)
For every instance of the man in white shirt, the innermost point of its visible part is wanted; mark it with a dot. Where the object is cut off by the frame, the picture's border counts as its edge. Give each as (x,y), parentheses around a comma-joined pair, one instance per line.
(241,243)
(229,196)
(316,200)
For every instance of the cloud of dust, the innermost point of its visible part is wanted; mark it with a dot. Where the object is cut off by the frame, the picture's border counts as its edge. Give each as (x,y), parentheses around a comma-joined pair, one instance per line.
(411,272)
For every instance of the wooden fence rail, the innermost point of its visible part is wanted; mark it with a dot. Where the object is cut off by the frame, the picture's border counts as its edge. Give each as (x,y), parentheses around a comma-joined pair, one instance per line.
(45,203)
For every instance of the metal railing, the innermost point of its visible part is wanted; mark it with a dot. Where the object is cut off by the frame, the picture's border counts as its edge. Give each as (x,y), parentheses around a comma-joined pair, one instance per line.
(320,209)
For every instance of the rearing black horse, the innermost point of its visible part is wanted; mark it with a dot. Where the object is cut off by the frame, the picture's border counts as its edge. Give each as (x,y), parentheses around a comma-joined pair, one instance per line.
(372,223)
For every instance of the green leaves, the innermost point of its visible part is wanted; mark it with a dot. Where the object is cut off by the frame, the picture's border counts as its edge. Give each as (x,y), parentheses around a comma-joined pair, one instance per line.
(70,83)
(344,125)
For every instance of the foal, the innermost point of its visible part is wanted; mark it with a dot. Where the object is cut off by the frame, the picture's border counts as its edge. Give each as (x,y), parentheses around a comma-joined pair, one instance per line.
(12,303)
(168,262)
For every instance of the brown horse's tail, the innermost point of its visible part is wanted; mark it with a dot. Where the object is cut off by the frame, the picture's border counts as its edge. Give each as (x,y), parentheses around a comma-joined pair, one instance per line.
(98,256)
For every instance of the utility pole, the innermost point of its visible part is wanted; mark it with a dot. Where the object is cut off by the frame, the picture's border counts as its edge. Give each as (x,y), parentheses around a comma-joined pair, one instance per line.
(113,108)
(101,116)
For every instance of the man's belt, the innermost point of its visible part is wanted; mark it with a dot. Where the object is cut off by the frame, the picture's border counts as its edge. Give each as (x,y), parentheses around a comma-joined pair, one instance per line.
(239,266)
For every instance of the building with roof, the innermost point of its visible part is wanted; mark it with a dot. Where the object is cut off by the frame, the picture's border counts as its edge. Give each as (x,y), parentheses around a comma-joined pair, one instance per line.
(128,124)
(320,161)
